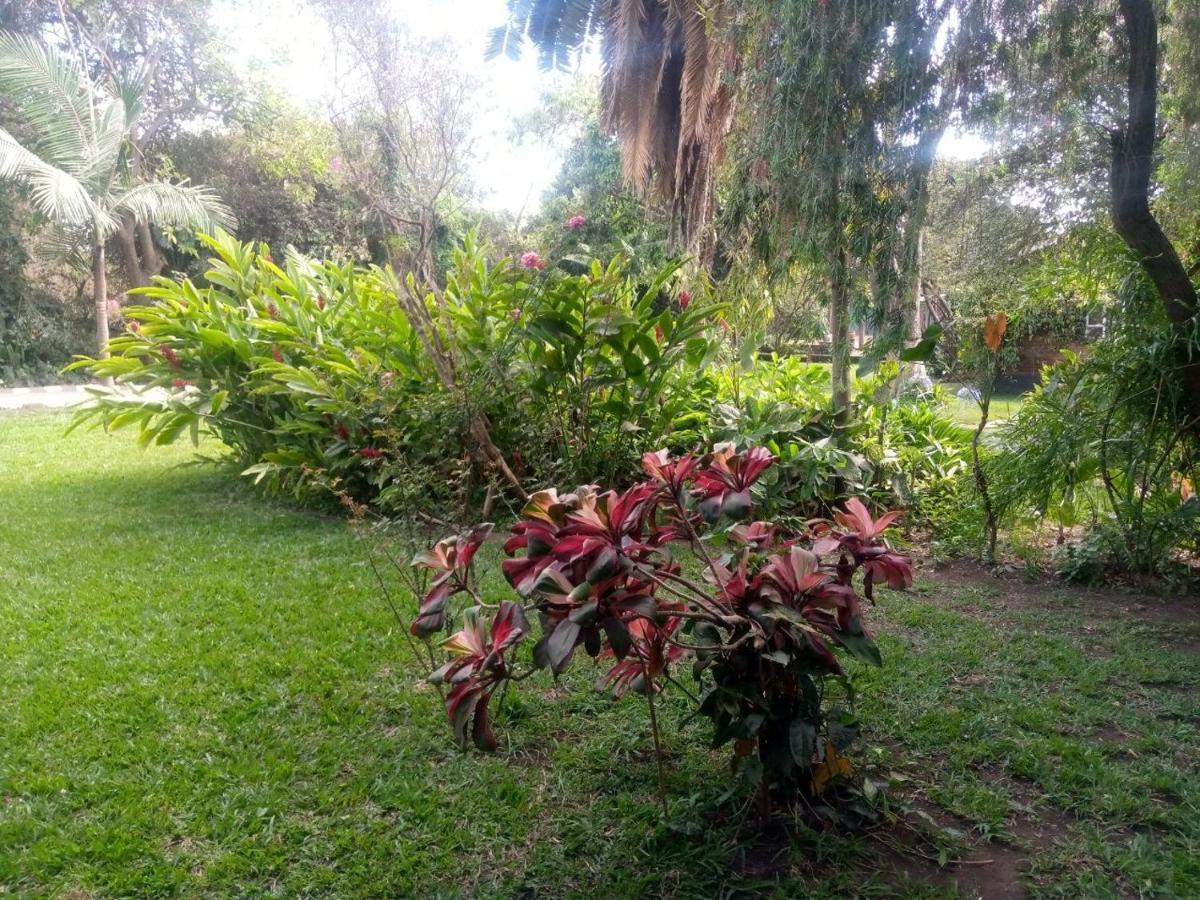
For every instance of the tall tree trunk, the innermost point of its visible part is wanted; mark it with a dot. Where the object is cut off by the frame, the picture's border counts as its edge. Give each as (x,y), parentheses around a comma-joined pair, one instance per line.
(1132,164)
(839,334)
(151,263)
(127,250)
(100,299)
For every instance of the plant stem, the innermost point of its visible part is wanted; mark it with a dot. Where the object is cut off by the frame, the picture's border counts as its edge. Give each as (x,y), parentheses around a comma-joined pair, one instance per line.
(662,772)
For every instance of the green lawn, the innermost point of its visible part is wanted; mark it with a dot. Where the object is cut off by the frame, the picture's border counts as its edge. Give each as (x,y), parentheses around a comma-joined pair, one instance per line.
(203,694)
(966,412)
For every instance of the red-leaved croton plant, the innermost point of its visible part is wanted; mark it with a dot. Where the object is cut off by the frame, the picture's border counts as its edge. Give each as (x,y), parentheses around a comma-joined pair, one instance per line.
(762,617)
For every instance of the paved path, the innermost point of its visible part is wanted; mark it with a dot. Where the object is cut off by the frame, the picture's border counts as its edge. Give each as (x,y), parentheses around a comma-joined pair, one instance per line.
(55,396)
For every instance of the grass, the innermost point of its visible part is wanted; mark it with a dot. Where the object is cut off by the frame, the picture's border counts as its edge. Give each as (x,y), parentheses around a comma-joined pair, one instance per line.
(204,695)
(966,412)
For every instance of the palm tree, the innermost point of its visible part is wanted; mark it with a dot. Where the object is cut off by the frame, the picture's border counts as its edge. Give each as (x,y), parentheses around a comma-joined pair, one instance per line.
(668,90)
(76,163)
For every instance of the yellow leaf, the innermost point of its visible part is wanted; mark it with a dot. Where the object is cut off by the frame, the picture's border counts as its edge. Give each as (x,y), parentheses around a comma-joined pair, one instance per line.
(833,766)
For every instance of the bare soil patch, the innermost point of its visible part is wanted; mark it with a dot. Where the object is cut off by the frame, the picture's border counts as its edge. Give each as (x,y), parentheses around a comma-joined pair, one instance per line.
(1176,619)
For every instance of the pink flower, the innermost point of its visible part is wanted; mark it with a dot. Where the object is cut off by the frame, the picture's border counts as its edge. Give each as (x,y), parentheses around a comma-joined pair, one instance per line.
(685,297)
(370,453)
(134,327)
(531,260)
(516,314)
(576,222)
(387,378)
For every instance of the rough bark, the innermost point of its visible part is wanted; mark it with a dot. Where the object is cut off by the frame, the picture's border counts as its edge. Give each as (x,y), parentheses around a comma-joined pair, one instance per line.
(1132,166)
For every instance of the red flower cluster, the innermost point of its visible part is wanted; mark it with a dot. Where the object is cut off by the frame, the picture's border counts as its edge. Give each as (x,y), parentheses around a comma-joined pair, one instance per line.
(531,260)
(370,453)
(170,356)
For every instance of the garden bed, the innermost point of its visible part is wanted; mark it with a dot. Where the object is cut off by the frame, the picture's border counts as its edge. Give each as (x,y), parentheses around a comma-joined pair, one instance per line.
(205,694)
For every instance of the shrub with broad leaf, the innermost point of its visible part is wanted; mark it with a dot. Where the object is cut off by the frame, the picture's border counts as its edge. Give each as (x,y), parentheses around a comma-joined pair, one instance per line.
(762,618)
(316,379)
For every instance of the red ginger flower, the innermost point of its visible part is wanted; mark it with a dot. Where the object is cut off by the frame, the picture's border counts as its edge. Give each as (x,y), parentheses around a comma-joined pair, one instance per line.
(169,355)
(370,453)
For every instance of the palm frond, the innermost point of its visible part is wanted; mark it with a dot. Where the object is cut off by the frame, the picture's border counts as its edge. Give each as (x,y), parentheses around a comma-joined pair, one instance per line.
(176,205)
(53,99)
(58,195)
(71,246)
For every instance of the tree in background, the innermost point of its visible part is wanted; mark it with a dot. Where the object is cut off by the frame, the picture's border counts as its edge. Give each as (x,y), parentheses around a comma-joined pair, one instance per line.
(590,209)
(668,92)
(1133,147)
(839,110)
(76,162)
(170,50)
(278,168)
(403,119)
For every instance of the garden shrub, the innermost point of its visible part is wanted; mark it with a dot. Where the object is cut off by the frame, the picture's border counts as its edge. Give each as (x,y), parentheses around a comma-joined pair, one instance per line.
(314,376)
(902,449)
(763,626)
(1105,450)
